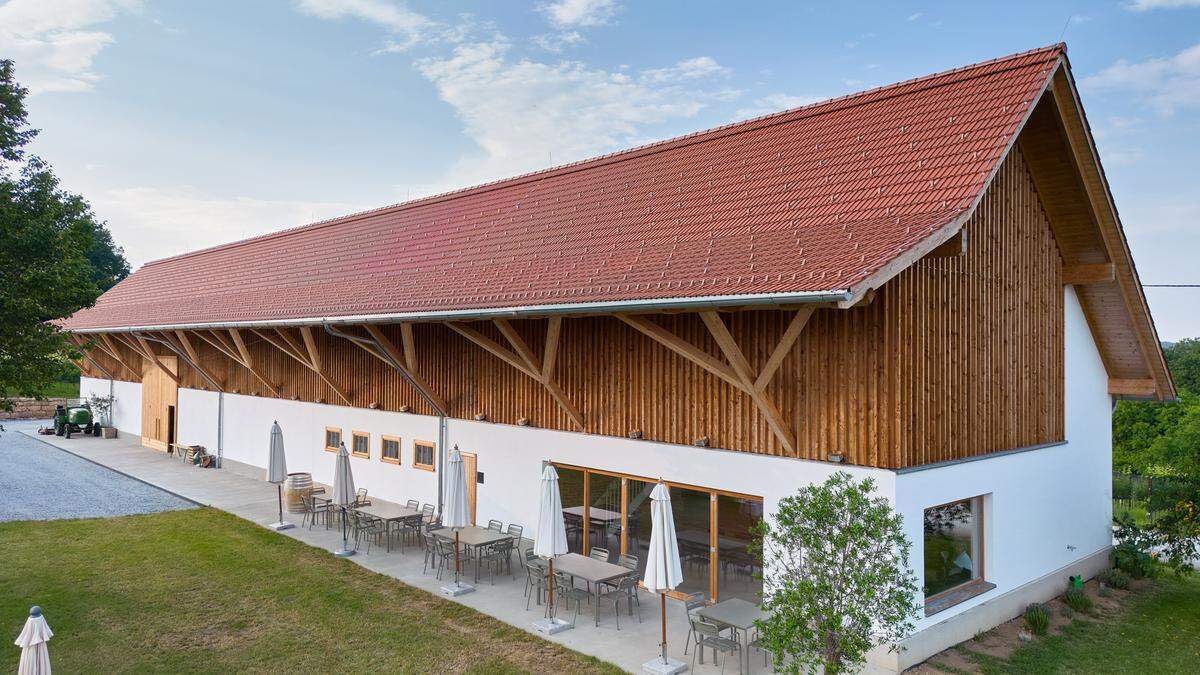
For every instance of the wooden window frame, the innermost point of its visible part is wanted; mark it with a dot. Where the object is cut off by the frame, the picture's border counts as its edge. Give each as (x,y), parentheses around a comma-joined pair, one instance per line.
(949,597)
(424,444)
(384,438)
(325,440)
(353,446)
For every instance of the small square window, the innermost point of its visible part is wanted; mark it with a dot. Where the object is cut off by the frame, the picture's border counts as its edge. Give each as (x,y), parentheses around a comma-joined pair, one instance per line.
(360,445)
(333,438)
(953,546)
(389,449)
(423,453)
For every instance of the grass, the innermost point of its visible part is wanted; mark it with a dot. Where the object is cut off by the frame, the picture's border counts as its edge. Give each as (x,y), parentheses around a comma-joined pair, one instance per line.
(1159,633)
(203,591)
(61,390)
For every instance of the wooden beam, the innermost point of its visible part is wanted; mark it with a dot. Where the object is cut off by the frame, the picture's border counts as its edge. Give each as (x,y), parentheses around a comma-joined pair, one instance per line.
(1118,387)
(747,376)
(310,345)
(237,353)
(493,347)
(219,344)
(951,248)
(108,346)
(247,359)
(786,342)
(149,352)
(400,361)
(410,346)
(550,355)
(1099,273)
(682,347)
(537,370)
(189,353)
(186,343)
(289,346)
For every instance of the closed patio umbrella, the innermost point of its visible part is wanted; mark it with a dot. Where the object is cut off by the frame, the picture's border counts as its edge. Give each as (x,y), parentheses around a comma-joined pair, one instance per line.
(35,657)
(550,541)
(277,472)
(457,513)
(343,495)
(663,571)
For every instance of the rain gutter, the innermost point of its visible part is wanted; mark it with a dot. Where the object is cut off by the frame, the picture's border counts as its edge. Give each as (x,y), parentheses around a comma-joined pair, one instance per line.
(441,414)
(616,307)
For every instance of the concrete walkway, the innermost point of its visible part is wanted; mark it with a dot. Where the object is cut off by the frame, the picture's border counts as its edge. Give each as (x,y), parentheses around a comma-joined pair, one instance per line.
(255,500)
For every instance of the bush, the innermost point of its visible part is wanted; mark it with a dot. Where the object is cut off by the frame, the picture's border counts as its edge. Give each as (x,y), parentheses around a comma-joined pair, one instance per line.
(1077,600)
(1037,619)
(1122,487)
(1115,578)
(1133,552)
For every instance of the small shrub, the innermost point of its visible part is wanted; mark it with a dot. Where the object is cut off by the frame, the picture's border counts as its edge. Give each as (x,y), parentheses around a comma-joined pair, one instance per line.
(1133,552)
(1037,619)
(1077,600)
(1115,578)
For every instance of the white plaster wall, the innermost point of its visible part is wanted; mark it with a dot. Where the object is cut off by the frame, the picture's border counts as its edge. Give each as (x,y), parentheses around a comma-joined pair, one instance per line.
(510,457)
(1045,508)
(127,401)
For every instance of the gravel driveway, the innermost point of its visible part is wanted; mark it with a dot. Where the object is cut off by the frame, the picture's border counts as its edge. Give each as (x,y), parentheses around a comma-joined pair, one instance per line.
(41,482)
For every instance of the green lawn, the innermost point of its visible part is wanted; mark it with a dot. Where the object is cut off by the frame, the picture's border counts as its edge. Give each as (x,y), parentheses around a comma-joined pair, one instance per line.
(1159,633)
(61,390)
(204,591)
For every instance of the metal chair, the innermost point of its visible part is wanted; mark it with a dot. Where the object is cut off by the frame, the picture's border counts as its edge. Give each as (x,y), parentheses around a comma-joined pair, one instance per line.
(369,528)
(413,504)
(495,525)
(410,527)
(431,552)
(628,561)
(709,635)
(598,553)
(445,554)
(360,498)
(517,531)
(535,583)
(564,588)
(626,588)
(691,603)
(496,555)
(427,512)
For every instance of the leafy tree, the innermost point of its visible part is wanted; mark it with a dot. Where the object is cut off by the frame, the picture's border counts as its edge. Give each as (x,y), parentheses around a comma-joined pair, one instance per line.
(48,239)
(1157,439)
(838,580)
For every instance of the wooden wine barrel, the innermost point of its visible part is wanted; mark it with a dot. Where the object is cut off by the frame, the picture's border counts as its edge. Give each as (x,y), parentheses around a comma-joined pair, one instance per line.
(294,489)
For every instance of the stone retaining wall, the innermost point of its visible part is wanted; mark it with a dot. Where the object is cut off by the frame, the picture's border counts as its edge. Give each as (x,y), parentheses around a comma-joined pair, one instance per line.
(32,409)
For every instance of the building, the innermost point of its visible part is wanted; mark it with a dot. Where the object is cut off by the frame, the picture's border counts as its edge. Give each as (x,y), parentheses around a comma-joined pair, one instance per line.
(925,283)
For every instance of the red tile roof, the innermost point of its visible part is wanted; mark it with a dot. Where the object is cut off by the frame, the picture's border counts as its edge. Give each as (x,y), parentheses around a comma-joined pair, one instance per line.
(814,199)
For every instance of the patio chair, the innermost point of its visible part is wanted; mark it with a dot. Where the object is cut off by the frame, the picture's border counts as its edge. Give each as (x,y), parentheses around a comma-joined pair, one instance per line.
(370,528)
(628,561)
(535,583)
(413,504)
(691,603)
(598,553)
(517,531)
(410,527)
(496,555)
(445,554)
(360,498)
(431,552)
(709,635)
(564,588)
(313,510)
(625,589)
(495,525)
(427,511)
(756,643)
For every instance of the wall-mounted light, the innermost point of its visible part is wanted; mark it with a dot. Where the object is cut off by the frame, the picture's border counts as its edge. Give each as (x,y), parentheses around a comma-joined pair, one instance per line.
(405,408)
(480,417)
(523,422)
(635,434)
(835,457)
(701,442)
(374,405)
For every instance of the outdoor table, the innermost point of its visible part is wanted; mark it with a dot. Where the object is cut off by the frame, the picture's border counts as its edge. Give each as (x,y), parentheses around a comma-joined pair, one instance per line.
(590,570)
(475,537)
(596,515)
(740,615)
(389,514)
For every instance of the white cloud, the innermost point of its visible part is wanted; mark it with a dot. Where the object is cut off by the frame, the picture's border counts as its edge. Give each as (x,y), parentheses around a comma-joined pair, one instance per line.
(525,115)
(54,43)
(407,27)
(556,42)
(156,222)
(1165,83)
(700,67)
(774,103)
(1147,5)
(571,13)
(915,15)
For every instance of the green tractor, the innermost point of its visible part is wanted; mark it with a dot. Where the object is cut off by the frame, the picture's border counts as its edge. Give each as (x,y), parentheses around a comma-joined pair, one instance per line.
(74,419)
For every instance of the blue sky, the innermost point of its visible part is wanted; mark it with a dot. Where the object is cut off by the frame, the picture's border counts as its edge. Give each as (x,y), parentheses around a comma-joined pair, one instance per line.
(188,124)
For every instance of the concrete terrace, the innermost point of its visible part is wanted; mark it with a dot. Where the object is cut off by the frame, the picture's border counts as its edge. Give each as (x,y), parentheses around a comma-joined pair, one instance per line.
(233,490)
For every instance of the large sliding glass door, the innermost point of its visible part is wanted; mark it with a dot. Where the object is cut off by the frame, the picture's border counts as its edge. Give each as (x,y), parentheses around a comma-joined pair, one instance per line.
(612,511)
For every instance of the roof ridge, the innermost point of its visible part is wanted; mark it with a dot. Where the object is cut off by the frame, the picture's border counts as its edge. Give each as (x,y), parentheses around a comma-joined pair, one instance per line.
(741,126)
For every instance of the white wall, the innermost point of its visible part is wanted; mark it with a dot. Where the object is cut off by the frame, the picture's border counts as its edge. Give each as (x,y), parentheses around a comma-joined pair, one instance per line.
(127,401)
(1043,509)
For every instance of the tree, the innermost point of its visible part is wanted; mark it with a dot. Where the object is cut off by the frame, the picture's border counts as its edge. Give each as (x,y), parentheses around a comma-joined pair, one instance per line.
(837,580)
(48,239)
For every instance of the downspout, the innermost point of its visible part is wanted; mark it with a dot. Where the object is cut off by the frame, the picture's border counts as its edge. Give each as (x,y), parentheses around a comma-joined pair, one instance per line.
(220,393)
(441,414)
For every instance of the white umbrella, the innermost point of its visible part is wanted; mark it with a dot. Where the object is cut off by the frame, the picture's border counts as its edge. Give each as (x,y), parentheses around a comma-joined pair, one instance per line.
(456,514)
(277,472)
(663,571)
(35,657)
(550,541)
(343,495)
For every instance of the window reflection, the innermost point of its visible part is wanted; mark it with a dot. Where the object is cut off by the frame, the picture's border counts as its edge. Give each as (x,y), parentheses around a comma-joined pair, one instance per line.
(951,545)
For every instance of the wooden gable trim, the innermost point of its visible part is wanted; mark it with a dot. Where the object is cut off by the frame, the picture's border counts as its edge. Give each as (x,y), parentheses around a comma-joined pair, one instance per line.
(1096,273)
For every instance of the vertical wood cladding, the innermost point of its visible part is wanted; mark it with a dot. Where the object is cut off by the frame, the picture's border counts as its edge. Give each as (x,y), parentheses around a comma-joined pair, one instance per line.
(955,357)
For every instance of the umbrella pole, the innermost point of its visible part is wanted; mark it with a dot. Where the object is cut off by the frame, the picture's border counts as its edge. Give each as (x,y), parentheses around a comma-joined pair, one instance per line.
(279,488)
(456,563)
(550,600)
(663,596)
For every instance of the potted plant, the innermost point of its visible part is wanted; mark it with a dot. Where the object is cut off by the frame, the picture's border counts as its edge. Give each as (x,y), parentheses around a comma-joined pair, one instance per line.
(102,408)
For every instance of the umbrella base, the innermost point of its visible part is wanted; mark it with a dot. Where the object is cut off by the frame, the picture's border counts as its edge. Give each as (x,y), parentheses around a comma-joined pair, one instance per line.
(280,526)
(344,552)
(456,589)
(551,626)
(657,666)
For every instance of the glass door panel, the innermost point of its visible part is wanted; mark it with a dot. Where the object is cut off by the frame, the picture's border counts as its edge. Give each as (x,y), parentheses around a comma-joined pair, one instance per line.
(637,520)
(693,518)
(571,488)
(738,572)
(604,513)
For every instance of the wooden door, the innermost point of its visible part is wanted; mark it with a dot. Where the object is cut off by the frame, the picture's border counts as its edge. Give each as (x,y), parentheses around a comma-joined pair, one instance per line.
(469,471)
(159,399)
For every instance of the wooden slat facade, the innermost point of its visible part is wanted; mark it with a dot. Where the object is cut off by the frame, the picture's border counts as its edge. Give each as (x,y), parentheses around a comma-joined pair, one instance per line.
(958,356)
